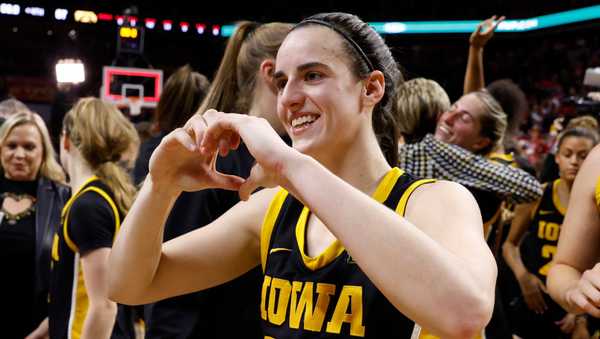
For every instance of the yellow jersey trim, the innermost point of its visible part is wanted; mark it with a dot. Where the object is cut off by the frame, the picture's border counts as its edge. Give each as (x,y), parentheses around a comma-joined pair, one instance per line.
(269,223)
(597,192)
(383,190)
(65,215)
(401,208)
(105,196)
(556,199)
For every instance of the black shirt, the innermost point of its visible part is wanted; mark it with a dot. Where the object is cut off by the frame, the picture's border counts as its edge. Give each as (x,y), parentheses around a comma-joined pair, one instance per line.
(17,254)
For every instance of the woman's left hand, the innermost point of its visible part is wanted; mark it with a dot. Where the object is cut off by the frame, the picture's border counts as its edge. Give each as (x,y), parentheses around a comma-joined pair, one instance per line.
(271,153)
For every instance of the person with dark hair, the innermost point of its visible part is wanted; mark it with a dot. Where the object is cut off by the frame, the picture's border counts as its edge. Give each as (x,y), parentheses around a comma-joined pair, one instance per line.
(348,244)
(533,239)
(181,97)
(243,83)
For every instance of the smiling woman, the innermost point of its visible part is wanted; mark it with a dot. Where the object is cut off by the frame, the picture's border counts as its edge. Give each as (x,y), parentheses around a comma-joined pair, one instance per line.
(347,243)
(31,199)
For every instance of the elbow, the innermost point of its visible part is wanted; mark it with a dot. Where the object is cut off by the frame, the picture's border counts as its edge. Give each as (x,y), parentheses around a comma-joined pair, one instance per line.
(471,319)
(119,293)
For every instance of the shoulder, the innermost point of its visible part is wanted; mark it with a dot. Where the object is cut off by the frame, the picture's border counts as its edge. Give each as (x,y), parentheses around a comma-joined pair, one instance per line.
(445,198)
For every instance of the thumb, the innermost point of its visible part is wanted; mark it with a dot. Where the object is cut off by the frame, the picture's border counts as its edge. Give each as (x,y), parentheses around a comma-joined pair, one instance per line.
(226,181)
(254,181)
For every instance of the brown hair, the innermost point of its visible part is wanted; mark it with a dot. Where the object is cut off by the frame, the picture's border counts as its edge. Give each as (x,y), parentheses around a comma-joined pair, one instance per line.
(234,82)
(419,102)
(493,122)
(49,168)
(368,52)
(102,134)
(180,99)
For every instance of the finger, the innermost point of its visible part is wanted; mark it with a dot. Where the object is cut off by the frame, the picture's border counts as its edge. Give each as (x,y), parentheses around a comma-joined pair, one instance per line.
(183,138)
(195,127)
(580,301)
(226,181)
(216,129)
(590,292)
(498,22)
(252,182)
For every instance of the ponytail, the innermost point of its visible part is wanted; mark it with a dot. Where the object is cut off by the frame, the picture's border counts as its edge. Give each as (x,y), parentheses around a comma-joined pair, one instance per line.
(223,93)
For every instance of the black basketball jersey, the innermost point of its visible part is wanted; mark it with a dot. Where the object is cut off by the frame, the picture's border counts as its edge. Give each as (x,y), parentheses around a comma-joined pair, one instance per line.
(90,220)
(327,296)
(539,245)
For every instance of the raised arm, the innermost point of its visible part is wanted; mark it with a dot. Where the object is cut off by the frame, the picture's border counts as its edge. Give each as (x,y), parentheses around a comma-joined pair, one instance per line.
(143,269)
(531,286)
(425,264)
(574,279)
(437,159)
(474,79)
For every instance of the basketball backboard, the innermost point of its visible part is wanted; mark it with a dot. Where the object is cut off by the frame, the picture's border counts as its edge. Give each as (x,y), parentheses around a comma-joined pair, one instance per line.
(135,88)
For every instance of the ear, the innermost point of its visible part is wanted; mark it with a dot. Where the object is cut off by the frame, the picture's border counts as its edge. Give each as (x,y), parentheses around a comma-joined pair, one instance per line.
(266,69)
(482,143)
(374,89)
(65,142)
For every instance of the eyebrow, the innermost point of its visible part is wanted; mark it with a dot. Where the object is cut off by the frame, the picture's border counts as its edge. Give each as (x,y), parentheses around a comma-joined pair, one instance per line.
(301,68)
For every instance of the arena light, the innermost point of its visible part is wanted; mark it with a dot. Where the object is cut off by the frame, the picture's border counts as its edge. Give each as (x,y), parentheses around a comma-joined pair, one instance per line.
(9,9)
(105,16)
(184,26)
(133,21)
(120,20)
(61,14)
(70,71)
(150,23)
(216,30)
(167,25)
(85,17)
(35,11)
(200,28)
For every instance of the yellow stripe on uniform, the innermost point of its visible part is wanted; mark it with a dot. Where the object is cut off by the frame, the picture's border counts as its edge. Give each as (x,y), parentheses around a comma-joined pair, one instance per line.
(401,208)
(108,199)
(269,223)
(597,193)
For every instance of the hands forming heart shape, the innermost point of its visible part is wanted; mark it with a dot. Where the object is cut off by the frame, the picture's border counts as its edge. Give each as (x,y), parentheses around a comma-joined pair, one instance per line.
(186,158)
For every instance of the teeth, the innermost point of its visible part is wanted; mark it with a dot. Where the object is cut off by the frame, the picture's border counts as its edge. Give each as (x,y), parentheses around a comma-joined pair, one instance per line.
(303,120)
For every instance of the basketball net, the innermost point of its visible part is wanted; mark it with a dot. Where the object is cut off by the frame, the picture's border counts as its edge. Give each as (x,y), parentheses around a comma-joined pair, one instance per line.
(135,105)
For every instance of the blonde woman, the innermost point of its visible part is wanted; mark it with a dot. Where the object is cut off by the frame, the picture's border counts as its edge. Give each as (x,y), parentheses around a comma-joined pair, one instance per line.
(31,198)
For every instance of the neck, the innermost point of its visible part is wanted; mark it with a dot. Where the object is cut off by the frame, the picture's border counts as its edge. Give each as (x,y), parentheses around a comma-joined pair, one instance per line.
(567,184)
(361,164)
(79,172)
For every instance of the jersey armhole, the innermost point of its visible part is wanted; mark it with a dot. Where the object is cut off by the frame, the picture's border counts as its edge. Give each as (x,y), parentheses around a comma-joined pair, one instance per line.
(401,208)
(269,224)
(112,205)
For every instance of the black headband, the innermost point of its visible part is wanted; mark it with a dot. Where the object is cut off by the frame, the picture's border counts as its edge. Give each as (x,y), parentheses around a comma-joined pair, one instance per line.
(340,32)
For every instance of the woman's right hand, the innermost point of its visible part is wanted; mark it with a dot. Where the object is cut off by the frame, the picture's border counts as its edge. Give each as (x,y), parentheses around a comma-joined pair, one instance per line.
(178,164)
(585,295)
(533,290)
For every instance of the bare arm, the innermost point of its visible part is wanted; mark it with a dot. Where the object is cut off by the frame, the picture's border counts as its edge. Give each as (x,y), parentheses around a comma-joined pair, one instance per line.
(100,317)
(574,281)
(41,332)
(143,269)
(474,79)
(531,286)
(455,272)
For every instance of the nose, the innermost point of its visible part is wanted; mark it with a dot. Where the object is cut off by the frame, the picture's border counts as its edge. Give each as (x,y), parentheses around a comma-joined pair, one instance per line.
(291,97)
(449,117)
(20,152)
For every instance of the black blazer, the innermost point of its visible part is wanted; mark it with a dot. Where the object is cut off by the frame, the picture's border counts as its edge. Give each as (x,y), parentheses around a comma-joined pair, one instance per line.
(51,197)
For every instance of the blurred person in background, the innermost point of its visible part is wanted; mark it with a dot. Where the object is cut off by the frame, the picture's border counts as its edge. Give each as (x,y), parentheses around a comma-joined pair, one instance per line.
(32,194)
